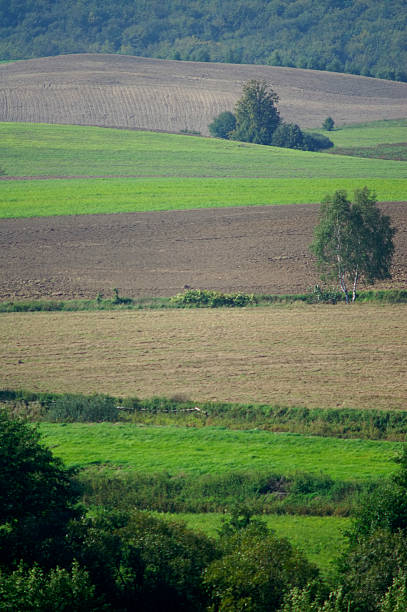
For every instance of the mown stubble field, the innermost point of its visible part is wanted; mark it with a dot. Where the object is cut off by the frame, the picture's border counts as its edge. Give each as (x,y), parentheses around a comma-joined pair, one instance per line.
(326,356)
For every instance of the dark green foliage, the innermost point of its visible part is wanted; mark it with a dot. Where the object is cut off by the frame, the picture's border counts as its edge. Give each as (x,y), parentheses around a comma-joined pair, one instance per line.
(255,570)
(223,125)
(316,142)
(37,497)
(71,408)
(362,38)
(377,551)
(259,492)
(288,135)
(118,299)
(328,124)
(370,566)
(256,112)
(353,240)
(140,562)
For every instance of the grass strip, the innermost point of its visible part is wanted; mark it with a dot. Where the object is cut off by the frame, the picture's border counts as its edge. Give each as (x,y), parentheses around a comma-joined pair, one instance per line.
(341,422)
(382,296)
(45,198)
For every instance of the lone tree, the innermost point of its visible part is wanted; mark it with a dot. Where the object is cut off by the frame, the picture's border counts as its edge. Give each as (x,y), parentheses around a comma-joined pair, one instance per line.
(257,116)
(328,124)
(353,241)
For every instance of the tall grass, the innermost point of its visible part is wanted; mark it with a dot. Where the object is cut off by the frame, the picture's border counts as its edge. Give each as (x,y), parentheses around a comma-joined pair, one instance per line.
(259,491)
(347,423)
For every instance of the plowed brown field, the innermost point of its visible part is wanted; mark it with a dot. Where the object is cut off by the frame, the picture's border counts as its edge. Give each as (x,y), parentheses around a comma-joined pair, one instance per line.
(257,249)
(168,95)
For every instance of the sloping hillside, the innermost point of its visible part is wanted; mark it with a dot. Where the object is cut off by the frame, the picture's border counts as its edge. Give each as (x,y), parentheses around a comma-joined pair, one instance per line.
(169,95)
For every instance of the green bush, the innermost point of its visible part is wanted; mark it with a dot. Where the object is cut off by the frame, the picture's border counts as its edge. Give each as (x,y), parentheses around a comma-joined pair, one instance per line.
(212,299)
(255,571)
(223,125)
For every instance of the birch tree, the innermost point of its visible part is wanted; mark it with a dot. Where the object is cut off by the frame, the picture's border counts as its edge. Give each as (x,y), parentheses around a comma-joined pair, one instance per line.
(353,241)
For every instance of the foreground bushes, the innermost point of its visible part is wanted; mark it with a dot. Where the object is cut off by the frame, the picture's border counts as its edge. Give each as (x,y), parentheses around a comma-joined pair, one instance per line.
(129,560)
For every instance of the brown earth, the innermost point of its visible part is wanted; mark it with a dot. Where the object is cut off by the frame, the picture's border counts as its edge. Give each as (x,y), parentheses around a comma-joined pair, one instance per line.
(257,249)
(169,95)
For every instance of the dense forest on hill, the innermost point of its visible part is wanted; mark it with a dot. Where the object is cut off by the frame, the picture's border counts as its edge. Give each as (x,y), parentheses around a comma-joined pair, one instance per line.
(367,37)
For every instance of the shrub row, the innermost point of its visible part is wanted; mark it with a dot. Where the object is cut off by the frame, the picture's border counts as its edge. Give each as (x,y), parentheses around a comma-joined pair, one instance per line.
(260,493)
(212,299)
(204,298)
(340,422)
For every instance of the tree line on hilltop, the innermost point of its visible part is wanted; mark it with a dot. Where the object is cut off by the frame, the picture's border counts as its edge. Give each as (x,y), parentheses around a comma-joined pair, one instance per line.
(367,38)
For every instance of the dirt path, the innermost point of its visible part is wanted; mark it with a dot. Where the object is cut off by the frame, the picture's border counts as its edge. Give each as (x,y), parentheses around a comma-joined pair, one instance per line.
(257,249)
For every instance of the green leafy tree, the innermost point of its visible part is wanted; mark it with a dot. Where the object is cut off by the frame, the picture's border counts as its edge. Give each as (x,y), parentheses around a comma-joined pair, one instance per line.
(255,570)
(138,561)
(374,566)
(34,590)
(223,125)
(37,497)
(257,116)
(328,124)
(353,241)
(395,599)
(288,135)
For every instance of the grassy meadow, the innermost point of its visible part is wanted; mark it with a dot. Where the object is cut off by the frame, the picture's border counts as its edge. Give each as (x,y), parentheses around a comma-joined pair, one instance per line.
(148,171)
(212,450)
(64,150)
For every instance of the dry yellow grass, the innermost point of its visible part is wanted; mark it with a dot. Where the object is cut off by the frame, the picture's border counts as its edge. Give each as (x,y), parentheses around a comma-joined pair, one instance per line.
(136,92)
(303,355)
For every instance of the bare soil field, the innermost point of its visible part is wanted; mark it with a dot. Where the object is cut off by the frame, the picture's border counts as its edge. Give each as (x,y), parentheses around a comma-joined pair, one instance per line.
(169,95)
(255,249)
(322,356)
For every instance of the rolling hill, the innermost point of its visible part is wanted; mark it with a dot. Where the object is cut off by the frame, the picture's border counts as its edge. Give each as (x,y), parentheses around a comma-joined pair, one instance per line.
(171,96)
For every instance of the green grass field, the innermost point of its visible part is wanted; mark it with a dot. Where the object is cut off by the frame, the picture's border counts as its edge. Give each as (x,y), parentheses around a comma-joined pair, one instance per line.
(148,171)
(55,150)
(216,450)
(320,537)
(369,134)
(93,196)
(377,139)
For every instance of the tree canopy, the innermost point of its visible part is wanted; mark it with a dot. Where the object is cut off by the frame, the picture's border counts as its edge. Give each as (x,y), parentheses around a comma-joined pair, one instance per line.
(353,241)
(257,116)
(357,37)
(37,496)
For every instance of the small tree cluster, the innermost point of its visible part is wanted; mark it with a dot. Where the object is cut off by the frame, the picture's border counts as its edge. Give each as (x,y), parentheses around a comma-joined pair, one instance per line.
(257,119)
